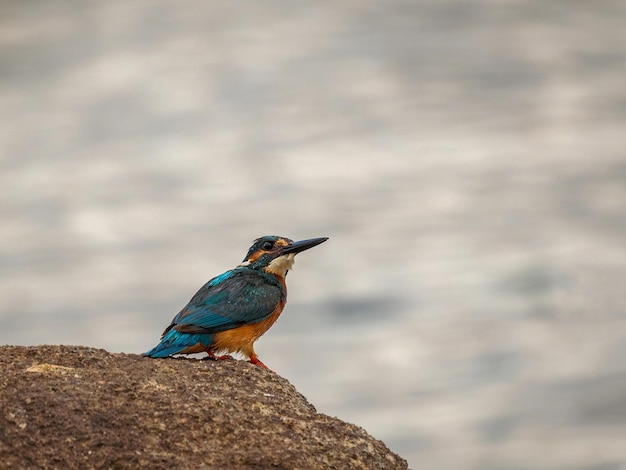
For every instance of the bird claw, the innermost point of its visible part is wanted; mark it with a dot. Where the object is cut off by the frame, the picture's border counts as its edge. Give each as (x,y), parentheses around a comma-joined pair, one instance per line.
(255,360)
(218,358)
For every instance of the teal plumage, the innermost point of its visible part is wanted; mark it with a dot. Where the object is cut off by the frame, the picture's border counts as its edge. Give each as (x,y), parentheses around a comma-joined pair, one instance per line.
(235,298)
(233,309)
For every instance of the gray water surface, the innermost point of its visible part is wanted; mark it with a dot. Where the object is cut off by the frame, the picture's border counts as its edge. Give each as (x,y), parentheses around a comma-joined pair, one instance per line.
(466,159)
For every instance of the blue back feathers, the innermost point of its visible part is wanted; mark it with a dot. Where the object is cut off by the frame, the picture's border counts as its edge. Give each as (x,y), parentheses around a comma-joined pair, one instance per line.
(237,297)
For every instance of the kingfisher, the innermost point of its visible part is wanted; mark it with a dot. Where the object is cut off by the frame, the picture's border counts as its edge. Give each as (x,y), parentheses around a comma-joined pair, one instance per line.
(231,311)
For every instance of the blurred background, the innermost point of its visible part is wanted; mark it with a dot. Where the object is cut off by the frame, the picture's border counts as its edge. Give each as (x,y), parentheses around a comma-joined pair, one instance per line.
(466,159)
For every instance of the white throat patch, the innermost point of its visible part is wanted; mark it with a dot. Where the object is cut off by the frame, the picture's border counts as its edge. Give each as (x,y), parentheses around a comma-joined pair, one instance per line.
(281,265)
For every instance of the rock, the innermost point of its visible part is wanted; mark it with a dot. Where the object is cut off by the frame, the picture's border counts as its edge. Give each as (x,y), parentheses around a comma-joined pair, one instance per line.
(78,407)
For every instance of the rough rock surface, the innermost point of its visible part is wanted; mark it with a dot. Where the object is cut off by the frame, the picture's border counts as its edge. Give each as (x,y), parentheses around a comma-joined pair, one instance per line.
(78,407)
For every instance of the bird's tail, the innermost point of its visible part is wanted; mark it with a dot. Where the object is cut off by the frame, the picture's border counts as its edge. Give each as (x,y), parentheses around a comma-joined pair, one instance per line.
(175,342)
(161,350)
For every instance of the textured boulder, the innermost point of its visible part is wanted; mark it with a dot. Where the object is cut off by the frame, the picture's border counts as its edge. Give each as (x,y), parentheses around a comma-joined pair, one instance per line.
(77,407)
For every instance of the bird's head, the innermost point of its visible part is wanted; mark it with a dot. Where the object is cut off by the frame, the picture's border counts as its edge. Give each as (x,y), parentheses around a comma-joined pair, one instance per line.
(275,254)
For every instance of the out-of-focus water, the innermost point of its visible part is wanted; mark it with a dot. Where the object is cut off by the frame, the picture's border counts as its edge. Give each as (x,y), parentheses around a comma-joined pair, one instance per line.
(466,159)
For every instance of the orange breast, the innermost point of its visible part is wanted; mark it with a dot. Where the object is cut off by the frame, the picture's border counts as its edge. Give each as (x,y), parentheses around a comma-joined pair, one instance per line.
(242,338)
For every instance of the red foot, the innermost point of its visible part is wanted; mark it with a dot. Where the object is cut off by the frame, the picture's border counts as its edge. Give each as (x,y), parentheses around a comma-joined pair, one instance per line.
(218,358)
(255,360)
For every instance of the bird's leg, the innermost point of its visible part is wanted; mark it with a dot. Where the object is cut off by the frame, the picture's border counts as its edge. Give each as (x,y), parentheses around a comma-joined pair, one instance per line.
(255,360)
(217,358)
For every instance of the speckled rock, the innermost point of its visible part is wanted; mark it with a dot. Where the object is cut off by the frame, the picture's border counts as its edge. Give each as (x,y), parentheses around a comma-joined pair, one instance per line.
(78,407)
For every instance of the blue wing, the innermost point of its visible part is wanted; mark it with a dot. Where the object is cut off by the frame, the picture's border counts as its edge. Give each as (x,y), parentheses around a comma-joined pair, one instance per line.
(235,298)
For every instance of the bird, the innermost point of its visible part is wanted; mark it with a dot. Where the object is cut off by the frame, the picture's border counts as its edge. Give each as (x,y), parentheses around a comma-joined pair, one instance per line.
(232,310)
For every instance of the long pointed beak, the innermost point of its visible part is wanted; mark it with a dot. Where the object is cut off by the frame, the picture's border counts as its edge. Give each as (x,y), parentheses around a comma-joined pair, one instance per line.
(297,247)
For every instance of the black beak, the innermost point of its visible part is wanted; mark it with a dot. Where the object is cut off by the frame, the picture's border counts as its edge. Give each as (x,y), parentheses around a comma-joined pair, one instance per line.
(297,247)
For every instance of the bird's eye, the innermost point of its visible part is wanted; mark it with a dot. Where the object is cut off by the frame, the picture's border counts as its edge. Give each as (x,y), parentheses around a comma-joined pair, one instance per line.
(267,246)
